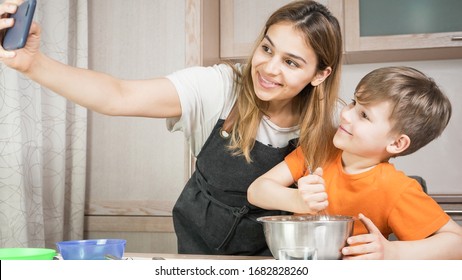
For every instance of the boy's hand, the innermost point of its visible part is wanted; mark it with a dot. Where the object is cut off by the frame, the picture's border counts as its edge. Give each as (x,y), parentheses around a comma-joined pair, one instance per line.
(371,246)
(313,192)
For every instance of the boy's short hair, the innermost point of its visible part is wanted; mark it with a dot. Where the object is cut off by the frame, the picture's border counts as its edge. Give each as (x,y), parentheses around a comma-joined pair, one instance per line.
(419,108)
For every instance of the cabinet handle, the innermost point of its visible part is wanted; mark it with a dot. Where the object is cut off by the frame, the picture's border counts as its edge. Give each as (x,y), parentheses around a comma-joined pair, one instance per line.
(449,212)
(456,38)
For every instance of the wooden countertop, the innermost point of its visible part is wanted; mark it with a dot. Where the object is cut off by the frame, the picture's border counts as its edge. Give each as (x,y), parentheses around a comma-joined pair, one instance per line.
(160,256)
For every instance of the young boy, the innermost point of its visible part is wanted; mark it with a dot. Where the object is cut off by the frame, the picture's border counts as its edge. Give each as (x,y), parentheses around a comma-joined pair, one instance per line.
(395,112)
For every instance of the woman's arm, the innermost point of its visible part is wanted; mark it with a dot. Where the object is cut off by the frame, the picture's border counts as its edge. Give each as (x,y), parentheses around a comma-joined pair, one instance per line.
(102,93)
(97,91)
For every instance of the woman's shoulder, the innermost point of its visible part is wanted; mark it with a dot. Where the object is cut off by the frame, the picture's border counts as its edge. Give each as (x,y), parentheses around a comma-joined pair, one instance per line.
(205,81)
(228,71)
(222,69)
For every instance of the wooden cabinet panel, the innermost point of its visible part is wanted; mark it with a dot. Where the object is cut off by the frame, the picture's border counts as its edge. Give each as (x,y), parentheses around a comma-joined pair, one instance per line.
(241,21)
(136,168)
(143,234)
(134,159)
(382,48)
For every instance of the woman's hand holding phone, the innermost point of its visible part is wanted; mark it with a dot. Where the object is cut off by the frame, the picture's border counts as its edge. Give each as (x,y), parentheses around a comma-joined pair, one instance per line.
(16,36)
(29,39)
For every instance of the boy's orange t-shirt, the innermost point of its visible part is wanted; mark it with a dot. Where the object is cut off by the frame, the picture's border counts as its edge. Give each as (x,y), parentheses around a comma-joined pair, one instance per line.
(394,202)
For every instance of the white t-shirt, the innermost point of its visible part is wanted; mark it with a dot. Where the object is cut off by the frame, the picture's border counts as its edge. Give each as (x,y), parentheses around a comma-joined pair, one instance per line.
(207,95)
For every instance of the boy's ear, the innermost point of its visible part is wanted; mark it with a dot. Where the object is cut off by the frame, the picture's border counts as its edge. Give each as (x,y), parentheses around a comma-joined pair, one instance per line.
(321,76)
(400,144)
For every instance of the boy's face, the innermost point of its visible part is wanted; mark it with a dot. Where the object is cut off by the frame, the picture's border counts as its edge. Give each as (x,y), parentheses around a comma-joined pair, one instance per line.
(364,130)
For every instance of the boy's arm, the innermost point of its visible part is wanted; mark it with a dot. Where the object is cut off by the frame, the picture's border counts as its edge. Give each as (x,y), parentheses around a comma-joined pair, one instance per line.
(445,244)
(271,191)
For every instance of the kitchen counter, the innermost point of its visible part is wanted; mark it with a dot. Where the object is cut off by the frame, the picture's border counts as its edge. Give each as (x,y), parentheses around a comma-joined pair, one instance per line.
(160,256)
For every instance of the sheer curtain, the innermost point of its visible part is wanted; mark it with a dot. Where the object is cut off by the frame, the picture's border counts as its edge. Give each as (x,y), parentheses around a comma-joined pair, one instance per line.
(43,140)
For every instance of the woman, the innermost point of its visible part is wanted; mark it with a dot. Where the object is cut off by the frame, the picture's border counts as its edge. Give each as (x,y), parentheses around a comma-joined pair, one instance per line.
(240,120)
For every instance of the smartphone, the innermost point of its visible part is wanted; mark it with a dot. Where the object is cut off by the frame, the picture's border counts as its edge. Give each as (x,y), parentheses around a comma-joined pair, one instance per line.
(16,36)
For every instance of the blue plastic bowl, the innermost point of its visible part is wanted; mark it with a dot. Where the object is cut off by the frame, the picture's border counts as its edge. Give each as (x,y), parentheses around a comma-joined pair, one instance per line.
(92,249)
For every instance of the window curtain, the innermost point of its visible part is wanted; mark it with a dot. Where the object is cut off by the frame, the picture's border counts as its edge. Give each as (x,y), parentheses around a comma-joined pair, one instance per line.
(43,140)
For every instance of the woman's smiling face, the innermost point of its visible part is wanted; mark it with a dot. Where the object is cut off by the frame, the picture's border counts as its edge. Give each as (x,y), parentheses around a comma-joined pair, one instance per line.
(283,64)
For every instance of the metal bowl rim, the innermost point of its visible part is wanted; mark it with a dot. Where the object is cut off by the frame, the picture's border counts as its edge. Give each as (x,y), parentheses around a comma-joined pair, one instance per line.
(300,219)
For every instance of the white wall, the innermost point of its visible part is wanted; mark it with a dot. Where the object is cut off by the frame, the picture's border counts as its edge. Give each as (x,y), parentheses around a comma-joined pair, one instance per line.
(438,162)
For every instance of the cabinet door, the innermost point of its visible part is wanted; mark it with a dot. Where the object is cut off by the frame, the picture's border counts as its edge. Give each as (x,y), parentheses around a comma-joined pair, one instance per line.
(136,168)
(241,21)
(377,25)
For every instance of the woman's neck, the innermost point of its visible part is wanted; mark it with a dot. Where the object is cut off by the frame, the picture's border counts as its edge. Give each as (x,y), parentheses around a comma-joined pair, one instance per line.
(283,115)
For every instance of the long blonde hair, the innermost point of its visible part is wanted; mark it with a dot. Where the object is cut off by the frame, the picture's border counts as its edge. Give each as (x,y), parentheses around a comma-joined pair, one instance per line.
(316,104)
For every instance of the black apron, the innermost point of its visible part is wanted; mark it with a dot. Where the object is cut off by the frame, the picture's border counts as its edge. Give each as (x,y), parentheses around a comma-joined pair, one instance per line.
(212,214)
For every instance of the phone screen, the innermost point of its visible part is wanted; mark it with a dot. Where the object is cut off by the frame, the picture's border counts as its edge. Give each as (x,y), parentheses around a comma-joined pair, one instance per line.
(16,36)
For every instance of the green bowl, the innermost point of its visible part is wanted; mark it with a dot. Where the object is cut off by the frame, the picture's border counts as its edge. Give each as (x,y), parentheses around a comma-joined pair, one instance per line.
(26,254)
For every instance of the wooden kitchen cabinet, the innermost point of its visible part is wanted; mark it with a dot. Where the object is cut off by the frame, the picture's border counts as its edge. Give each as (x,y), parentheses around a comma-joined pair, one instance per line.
(241,21)
(381,31)
(136,169)
(389,31)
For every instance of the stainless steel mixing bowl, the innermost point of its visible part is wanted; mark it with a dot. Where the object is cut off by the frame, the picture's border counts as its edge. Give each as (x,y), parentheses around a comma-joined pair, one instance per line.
(328,236)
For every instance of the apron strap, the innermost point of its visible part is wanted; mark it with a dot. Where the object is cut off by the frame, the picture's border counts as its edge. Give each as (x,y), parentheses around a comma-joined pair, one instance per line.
(225,130)
(238,212)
